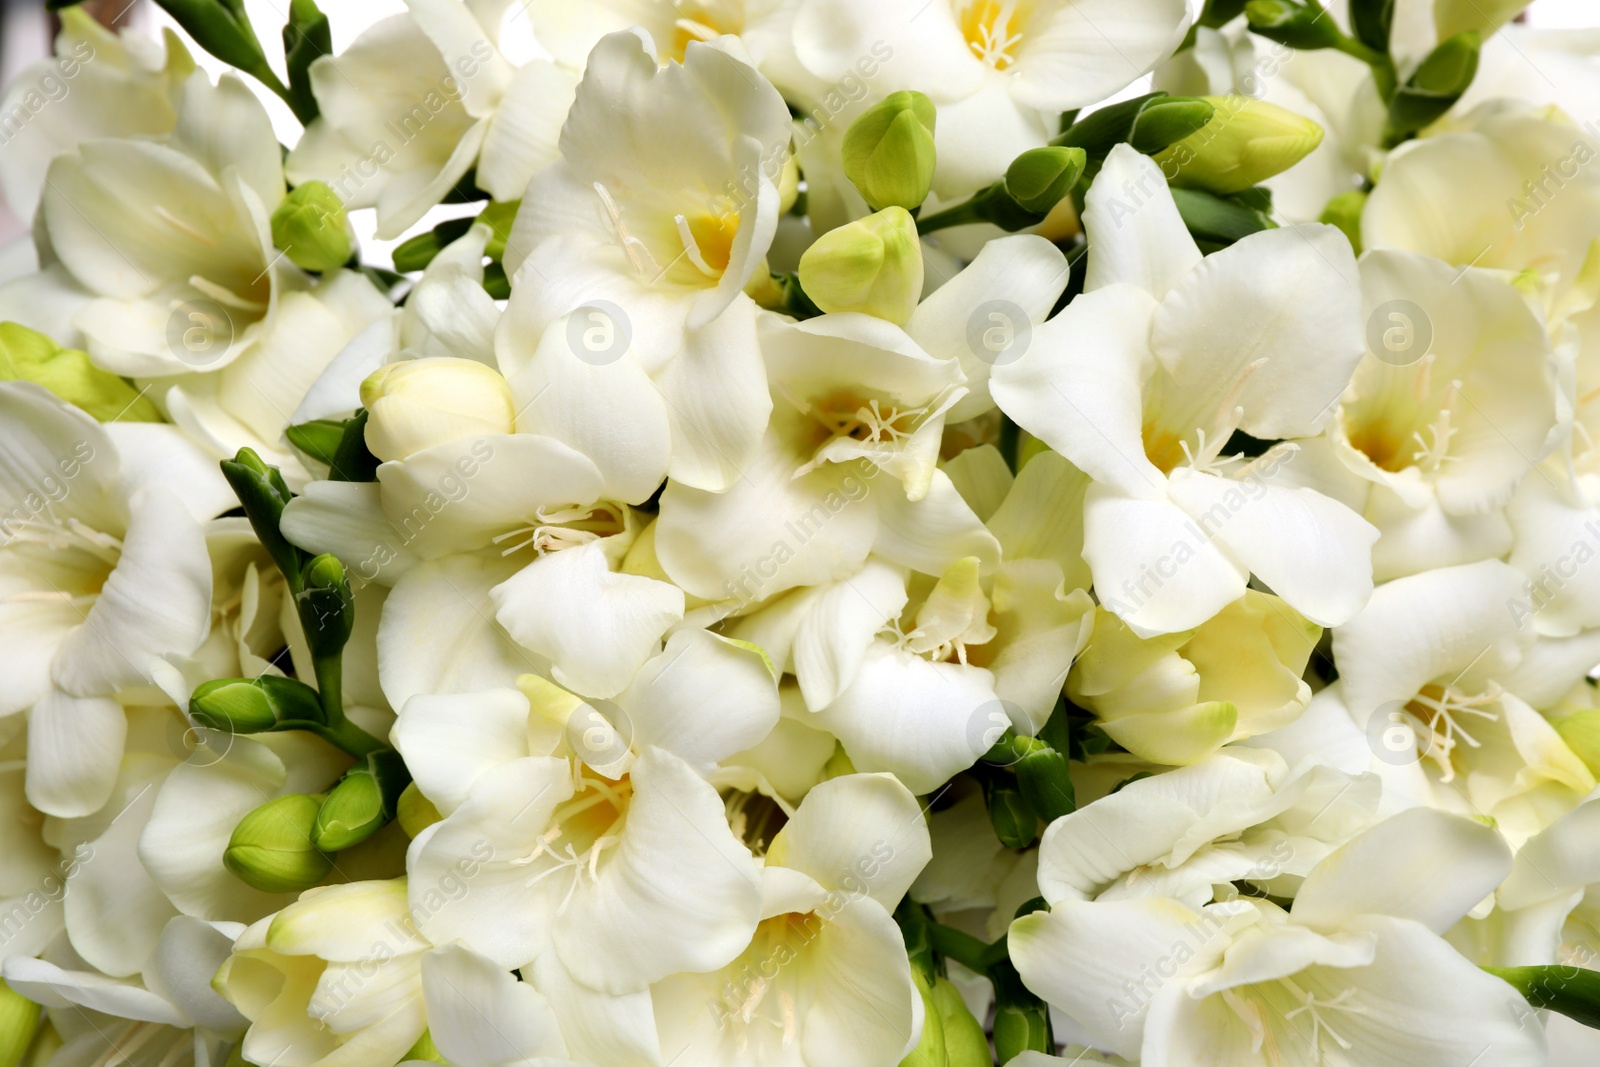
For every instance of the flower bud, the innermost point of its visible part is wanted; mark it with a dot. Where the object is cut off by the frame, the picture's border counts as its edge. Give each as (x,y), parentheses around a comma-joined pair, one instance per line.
(418,403)
(1043,779)
(1435,86)
(1021,1019)
(1246,142)
(965,1043)
(29,356)
(872,265)
(1344,211)
(930,1050)
(888,152)
(362,803)
(251,705)
(19,1022)
(327,607)
(311,228)
(271,849)
(1013,820)
(1040,177)
(1294,24)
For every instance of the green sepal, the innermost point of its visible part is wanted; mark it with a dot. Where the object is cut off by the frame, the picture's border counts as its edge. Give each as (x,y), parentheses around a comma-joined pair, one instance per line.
(1371,21)
(1044,779)
(1218,221)
(338,444)
(1434,87)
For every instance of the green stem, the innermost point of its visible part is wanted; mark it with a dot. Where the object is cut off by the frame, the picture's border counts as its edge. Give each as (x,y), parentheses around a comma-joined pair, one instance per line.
(349,738)
(961,214)
(330,687)
(962,947)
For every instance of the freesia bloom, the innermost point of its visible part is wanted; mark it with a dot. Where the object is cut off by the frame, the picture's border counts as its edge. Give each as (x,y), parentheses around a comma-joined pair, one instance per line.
(1142,380)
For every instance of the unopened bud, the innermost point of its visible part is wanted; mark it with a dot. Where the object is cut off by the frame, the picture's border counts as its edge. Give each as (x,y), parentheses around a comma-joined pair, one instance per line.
(872,265)
(1296,25)
(1013,820)
(930,1050)
(327,608)
(1040,177)
(362,803)
(418,403)
(1042,775)
(271,849)
(311,228)
(1246,142)
(19,1022)
(888,152)
(1435,86)
(251,705)
(965,1043)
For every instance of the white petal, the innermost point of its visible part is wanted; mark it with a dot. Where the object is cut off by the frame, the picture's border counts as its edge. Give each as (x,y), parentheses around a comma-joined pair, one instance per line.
(438,633)
(181,968)
(716,399)
(860,833)
(47,983)
(1311,550)
(480,1015)
(595,625)
(838,627)
(525,130)
(1079,386)
(448,740)
(1211,328)
(1421,864)
(921,721)
(680,894)
(702,698)
(1152,565)
(1135,233)
(1083,52)
(930,534)
(156,601)
(74,750)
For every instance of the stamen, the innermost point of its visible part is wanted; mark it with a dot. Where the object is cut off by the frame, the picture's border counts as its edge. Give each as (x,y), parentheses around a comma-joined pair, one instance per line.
(638,255)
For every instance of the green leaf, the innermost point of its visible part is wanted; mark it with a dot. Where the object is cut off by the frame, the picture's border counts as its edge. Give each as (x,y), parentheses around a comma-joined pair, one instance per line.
(306,36)
(224,31)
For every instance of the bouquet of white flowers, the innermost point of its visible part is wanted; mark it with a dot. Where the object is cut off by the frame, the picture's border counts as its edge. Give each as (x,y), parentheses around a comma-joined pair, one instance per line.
(836,533)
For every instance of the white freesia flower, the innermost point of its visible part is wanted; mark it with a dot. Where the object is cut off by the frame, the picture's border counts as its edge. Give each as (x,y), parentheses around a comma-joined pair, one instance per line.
(1426,674)
(1349,975)
(1177,697)
(998,71)
(628,258)
(824,979)
(1240,815)
(101,84)
(332,980)
(1141,381)
(105,572)
(419,99)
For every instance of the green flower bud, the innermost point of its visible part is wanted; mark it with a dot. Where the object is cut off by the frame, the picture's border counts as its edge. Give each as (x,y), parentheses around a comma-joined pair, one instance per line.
(1148,123)
(1344,211)
(1161,123)
(1021,1019)
(251,705)
(872,265)
(1246,142)
(311,228)
(930,1050)
(327,607)
(29,356)
(1043,778)
(362,803)
(1014,822)
(1293,24)
(965,1043)
(19,1022)
(888,152)
(1040,177)
(1581,732)
(262,492)
(271,849)
(1371,20)
(1434,86)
